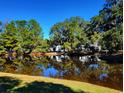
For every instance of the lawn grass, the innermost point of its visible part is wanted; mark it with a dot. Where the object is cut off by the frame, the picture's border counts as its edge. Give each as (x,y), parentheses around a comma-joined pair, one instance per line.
(56,84)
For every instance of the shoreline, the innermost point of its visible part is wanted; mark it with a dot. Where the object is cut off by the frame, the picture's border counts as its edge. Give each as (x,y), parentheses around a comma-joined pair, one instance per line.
(68,53)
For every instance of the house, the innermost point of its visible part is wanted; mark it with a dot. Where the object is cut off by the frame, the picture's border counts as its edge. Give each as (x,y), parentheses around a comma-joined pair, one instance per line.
(95,47)
(82,48)
(56,48)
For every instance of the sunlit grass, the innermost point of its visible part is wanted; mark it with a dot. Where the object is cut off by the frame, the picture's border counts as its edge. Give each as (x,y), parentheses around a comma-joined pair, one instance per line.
(74,85)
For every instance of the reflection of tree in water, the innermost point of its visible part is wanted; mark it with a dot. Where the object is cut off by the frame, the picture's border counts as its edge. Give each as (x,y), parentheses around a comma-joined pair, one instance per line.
(7,65)
(23,65)
(28,66)
(98,72)
(72,68)
(62,67)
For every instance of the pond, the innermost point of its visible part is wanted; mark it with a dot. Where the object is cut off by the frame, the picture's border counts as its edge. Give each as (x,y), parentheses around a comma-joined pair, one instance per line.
(88,68)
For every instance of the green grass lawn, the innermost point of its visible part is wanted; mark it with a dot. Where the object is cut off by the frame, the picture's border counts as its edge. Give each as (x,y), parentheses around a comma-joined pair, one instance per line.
(16,83)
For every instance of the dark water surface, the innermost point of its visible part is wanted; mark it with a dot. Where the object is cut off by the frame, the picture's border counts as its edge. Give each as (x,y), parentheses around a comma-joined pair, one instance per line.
(81,68)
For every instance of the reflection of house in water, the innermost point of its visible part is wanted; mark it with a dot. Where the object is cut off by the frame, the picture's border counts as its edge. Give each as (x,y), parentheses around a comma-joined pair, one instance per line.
(59,58)
(56,58)
(84,58)
(89,58)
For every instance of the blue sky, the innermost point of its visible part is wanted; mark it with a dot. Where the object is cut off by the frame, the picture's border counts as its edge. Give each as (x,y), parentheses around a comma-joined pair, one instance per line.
(48,12)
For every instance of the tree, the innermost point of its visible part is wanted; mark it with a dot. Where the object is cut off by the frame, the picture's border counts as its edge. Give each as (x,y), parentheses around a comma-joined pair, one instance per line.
(8,38)
(30,33)
(113,40)
(21,36)
(43,46)
(109,23)
(109,17)
(95,37)
(70,32)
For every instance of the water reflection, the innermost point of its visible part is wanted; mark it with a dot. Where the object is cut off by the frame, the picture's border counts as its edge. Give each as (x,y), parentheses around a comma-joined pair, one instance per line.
(82,68)
(60,58)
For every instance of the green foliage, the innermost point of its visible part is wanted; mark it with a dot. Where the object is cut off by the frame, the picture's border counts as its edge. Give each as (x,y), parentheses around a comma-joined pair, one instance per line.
(95,37)
(70,32)
(42,47)
(8,39)
(109,24)
(21,36)
(67,45)
(109,17)
(113,40)
(2,50)
(30,34)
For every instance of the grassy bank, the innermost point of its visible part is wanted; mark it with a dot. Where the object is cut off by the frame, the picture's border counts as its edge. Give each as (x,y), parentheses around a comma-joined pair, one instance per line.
(16,83)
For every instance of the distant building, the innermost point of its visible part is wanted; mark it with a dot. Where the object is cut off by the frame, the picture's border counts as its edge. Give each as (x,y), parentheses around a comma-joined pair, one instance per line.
(82,48)
(90,47)
(56,48)
(95,47)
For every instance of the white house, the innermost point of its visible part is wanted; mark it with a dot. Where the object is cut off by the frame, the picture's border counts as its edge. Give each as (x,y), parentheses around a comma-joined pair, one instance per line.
(56,48)
(95,46)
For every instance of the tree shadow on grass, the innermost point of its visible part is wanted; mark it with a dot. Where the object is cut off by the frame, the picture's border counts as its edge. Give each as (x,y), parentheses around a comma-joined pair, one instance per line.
(43,87)
(7,84)
(10,85)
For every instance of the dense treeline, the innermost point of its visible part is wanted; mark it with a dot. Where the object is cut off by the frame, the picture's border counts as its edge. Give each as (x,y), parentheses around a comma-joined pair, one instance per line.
(70,33)
(105,29)
(21,37)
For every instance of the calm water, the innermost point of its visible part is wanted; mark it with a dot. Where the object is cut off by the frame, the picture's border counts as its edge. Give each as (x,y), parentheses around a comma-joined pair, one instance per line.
(81,68)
